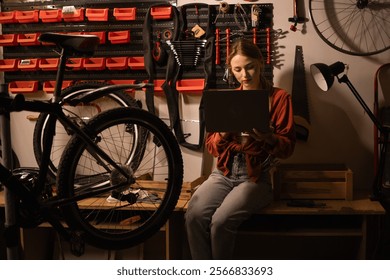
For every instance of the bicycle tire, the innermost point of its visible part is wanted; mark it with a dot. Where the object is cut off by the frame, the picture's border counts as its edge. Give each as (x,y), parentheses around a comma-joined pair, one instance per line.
(123,222)
(359,28)
(117,98)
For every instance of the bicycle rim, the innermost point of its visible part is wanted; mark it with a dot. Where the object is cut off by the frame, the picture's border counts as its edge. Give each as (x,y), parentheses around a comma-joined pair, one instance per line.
(80,112)
(138,209)
(360,27)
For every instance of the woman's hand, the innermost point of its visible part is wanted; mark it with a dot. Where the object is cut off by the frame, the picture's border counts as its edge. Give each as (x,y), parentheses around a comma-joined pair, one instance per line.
(267,137)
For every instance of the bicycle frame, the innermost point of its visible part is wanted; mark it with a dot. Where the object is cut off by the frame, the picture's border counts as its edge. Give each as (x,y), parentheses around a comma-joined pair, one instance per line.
(55,112)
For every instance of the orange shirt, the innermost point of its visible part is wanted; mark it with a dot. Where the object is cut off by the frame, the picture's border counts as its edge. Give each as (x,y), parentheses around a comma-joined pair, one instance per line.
(282,119)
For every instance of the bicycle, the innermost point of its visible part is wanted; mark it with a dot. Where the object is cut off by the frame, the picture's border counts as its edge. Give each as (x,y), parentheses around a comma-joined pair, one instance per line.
(358,27)
(112,190)
(80,101)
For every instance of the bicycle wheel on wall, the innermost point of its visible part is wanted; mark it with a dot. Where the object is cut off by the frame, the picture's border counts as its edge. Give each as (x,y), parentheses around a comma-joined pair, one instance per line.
(80,111)
(120,217)
(354,27)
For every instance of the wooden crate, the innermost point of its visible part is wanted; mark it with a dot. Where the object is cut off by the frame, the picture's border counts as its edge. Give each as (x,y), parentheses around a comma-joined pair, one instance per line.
(319,181)
(159,187)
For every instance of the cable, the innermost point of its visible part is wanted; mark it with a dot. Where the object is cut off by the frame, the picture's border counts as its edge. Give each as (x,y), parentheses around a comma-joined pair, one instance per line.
(239,11)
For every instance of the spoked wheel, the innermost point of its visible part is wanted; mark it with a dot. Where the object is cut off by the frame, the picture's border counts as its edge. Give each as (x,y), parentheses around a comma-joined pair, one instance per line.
(355,27)
(119,212)
(77,108)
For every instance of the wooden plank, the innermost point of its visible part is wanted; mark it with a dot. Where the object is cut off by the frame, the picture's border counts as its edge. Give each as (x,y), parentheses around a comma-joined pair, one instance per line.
(313,182)
(307,174)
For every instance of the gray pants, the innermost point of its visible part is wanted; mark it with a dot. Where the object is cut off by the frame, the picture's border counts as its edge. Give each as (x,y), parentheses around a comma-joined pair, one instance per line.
(219,206)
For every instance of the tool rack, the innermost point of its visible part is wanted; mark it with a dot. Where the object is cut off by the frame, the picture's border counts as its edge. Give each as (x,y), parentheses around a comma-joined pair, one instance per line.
(29,65)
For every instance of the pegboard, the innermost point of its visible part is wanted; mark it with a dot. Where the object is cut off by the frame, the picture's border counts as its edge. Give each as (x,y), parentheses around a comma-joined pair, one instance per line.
(120,26)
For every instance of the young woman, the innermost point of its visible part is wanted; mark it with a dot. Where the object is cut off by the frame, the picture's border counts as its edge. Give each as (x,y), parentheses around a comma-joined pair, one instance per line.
(240,184)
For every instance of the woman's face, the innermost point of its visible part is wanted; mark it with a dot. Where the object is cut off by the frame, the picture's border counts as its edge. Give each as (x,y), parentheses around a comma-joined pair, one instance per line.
(247,71)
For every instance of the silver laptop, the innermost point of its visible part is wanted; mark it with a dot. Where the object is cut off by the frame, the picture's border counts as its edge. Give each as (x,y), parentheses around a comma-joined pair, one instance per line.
(230,110)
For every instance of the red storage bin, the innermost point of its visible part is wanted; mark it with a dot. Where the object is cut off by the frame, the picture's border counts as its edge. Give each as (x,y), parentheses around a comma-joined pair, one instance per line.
(96,14)
(136,63)
(8,65)
(48,64)
(190,85)
(7,17)
(75,16)
(50,15)
(23,87)
(8,40)
(100,34)
(116,63)
(75,64)
(30,39)
(94,63)
(48,86)
(119,37)
(28,64)
(124,13)
(157,86)
(27,16)
(161,12)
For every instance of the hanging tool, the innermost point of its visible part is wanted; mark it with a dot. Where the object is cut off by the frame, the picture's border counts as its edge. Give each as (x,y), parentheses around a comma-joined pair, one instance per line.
(255,14)
(223,9)
(227,43)
(159,54)
(240,17)
(217,47)
(299,97)
(268,60)
(296,18)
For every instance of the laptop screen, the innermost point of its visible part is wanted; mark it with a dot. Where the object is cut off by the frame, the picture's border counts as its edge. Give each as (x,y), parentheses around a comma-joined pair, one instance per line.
(230,110)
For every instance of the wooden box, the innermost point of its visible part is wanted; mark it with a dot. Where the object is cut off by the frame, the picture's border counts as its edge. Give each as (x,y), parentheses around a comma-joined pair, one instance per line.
(159,187)
(308,181)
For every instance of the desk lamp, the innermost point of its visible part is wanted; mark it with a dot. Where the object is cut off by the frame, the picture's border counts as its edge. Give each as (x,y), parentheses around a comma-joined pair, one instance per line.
(324,76)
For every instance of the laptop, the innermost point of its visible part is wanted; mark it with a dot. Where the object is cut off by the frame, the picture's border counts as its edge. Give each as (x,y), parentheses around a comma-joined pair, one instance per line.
(231,110)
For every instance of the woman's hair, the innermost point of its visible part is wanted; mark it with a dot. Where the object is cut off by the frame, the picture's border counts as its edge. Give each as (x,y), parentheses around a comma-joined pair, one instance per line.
(247,48)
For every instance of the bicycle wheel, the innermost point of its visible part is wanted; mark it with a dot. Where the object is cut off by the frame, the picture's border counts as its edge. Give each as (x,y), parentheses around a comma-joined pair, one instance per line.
(80,111)
(115,213)
(355,27)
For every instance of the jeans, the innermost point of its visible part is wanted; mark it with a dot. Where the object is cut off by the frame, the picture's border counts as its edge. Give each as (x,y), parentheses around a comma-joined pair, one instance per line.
(219,206)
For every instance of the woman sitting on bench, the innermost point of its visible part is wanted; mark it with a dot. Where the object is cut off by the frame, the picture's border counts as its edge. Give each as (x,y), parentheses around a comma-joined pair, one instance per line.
(240,185)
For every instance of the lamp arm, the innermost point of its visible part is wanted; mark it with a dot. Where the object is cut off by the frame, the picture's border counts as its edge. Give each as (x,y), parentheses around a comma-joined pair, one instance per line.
(344,79)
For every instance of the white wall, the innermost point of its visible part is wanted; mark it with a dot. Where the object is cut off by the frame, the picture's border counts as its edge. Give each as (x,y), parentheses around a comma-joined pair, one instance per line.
(340,132)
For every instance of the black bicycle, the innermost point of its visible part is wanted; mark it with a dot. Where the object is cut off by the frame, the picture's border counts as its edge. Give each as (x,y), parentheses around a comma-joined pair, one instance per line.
(80,102)
(119,176)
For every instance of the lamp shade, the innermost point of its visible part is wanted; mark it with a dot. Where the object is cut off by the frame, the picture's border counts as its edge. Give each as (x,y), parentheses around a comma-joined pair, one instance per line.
(324,75)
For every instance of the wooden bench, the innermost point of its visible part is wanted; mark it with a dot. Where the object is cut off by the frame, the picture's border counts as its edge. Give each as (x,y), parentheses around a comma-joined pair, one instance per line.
(356,219)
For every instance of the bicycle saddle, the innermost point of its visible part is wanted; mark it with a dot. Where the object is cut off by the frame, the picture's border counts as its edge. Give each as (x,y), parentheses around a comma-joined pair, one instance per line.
(76,44)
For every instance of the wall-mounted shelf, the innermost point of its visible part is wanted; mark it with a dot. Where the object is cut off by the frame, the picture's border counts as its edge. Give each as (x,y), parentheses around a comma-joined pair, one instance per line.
(23,87)
(49,86)
(96,14)
(76,16)
(119,25)
(9,65)
(50,15)
(125,13)
(27,16)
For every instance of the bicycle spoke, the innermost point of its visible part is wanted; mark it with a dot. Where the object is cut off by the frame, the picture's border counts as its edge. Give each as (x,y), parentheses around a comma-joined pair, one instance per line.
(126,211)
(352,27)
